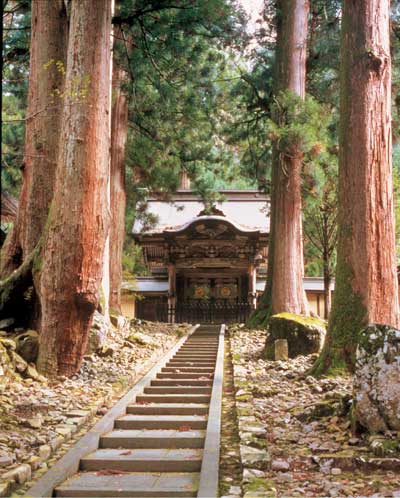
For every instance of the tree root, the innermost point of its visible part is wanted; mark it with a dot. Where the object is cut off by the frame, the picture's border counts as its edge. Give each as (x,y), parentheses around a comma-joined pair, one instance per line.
(13,289)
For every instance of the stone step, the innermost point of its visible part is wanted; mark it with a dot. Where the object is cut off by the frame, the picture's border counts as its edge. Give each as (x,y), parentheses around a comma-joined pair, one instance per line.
(202,340)
(157,438)
(198,370)
(177,390)
(196,354)
(193,357)
(197,359)
(143,484)
(169,409)
(188,375)
(144,460)
(181,382)
(173,398)
(189,364)
(201,363)
(184,422)
(200,349)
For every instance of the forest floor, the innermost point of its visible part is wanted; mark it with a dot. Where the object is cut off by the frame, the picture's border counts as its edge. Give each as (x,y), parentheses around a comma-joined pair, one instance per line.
(40,418)
(295,431)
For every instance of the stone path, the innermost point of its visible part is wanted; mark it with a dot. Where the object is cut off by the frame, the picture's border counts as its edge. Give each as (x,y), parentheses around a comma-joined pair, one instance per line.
(157,447)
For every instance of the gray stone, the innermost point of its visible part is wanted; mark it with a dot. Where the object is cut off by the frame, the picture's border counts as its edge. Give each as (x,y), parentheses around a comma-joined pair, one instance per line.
(281,349)
(5,489)
(34,462)
(253,457)
(35,422)
(19,363)
(98,333)
(280,465)
(6,460)
(285,476)
(119,322)
(44,451)
(377,379)
(20,474)
(7,322)
(250,474)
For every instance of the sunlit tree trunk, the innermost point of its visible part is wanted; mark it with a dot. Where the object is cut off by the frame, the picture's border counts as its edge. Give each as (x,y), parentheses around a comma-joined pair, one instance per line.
(284,289)
(366,283)
(48,49)
(119,130)
(78,222)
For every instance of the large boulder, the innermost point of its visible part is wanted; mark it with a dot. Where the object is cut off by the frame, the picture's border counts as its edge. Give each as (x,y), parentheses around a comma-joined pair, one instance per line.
(305,335)
(98,333)
(377,379)
(28,345)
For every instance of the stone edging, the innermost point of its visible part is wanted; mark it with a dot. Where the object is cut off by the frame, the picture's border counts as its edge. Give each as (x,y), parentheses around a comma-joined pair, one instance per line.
(208,486)
(254,459)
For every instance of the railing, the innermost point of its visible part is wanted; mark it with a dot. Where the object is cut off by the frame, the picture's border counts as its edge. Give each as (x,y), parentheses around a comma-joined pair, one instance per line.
(209,312)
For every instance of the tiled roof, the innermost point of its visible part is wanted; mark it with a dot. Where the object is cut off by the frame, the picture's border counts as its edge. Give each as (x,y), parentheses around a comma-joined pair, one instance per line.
(249,212)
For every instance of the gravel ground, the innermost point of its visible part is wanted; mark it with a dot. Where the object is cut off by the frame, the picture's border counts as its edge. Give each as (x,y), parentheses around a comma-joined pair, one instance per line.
(38,416)
(298,430)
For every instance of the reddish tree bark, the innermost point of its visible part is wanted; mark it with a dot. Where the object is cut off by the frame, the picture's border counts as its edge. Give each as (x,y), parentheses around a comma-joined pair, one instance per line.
(49,31)
(366,283)
(119,130)
(288,268)
(284,290)
(78,221)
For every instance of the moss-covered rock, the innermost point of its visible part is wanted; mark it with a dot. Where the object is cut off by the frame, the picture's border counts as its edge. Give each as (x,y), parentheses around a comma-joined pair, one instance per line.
(316,411)
(384,447)
(141,339)
(377,379)
(305,335)
(28,345)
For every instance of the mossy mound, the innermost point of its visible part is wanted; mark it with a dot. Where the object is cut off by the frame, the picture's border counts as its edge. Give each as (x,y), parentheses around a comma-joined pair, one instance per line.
(305,335)
(28,345)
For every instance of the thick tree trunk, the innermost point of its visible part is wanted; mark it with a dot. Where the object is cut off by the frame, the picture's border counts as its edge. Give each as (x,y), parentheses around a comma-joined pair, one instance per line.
(284,289)
(49,33)
(119,130)
(288,267)
(366,284)
(78,220)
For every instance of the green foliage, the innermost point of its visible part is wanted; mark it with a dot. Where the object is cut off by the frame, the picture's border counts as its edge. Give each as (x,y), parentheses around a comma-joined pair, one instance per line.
(132,260)
(15,89)
(300,124)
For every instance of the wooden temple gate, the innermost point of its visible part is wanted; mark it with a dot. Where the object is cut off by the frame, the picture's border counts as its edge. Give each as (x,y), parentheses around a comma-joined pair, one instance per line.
(211,265)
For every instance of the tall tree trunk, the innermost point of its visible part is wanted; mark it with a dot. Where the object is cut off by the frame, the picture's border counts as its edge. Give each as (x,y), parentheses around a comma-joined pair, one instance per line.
(284,290)
(78,221)
(119,130)
(288,267)
(49,31)
(366,283)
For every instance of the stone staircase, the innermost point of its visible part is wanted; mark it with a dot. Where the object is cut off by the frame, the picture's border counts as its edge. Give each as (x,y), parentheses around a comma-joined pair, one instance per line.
(156,448)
